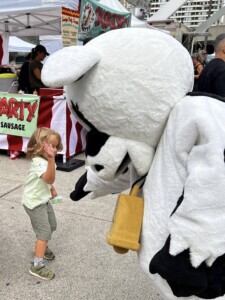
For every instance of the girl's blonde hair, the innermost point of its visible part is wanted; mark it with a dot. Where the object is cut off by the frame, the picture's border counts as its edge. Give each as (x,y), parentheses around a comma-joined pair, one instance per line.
(41,135)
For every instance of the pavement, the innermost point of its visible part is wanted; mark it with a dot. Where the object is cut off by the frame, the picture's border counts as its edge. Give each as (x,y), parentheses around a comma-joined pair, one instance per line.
(86,267)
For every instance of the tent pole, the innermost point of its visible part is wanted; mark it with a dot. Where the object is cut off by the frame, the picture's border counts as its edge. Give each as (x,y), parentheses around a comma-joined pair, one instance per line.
(28,20)
(6,26)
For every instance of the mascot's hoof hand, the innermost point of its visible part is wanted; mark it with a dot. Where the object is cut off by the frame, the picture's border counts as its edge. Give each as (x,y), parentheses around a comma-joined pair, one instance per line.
(79,192)
(204,282)
(77,195)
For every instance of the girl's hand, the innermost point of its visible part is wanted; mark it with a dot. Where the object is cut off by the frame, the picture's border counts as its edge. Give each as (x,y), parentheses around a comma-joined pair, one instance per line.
(53,193)
(49,150)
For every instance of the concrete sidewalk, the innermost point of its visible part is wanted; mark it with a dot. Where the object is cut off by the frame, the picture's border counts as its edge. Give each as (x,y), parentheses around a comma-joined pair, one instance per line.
(86,266)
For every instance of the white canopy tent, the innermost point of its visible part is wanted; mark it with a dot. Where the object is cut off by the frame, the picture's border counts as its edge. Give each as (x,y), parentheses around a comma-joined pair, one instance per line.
(30,18)
(18,45)
(33,18)
(43,17)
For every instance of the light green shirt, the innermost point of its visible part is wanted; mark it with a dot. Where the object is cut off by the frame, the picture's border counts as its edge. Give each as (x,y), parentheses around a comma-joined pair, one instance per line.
(36,191)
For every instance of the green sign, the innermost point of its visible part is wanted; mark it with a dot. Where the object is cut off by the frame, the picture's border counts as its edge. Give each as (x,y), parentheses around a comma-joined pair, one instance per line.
(96,19)
(18,114)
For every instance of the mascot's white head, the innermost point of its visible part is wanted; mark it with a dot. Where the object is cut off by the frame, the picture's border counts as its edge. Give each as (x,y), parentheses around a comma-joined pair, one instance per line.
(123,83)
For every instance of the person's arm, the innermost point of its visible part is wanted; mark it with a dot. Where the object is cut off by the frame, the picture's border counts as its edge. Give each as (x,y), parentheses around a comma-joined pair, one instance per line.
(53,192)
(37,73)
(199,70)
(49,175)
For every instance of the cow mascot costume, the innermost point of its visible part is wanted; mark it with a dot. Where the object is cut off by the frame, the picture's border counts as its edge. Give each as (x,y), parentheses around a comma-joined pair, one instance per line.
(131,88)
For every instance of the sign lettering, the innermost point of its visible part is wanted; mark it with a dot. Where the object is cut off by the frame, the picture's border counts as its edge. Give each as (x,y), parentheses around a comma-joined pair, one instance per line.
(96,19)
(18,114)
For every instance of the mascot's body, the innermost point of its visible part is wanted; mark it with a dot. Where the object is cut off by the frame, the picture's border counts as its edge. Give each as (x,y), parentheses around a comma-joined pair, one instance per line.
(130,89)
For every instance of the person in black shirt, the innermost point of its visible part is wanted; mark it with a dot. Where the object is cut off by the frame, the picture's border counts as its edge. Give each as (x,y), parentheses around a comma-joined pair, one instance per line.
(38,55)
(212,78)
(24,82)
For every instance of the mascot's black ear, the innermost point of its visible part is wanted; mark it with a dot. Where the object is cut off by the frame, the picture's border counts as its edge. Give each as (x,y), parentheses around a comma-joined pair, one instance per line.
(79,192)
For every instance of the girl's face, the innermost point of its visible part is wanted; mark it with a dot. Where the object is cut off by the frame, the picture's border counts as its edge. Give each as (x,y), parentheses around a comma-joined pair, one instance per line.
(53,140)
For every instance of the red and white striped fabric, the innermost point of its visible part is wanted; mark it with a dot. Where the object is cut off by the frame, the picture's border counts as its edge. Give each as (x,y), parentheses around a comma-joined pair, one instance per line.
(4,49)
(52,114)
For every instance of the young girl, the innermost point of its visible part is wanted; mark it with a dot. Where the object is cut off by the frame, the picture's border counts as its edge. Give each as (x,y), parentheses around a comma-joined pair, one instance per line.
(42,148)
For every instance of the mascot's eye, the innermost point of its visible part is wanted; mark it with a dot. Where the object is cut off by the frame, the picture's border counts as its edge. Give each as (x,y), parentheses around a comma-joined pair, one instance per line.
(98,168)
(95,141)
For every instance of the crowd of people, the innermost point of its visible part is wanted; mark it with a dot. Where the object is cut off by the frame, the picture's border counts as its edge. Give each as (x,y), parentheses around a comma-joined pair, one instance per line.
(209,76)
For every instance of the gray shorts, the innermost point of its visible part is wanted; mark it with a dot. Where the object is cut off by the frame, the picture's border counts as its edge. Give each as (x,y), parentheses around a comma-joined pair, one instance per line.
(43,220)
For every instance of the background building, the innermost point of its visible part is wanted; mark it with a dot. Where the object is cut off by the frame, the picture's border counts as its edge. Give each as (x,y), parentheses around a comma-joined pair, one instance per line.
(191,14)
(184,23)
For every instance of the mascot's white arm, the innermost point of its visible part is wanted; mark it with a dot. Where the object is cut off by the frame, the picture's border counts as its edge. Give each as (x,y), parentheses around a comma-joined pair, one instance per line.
(199,222)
